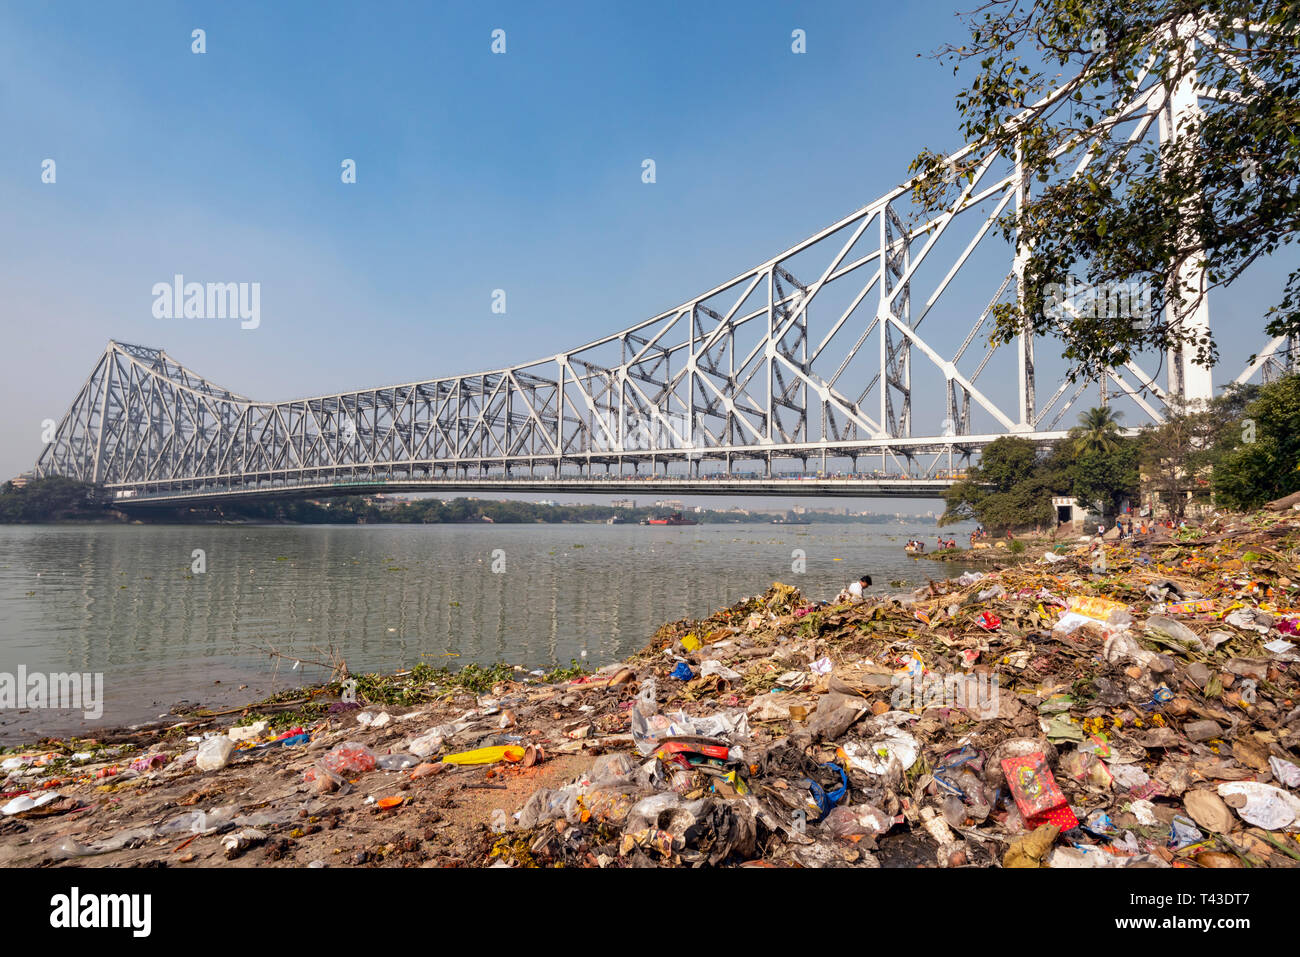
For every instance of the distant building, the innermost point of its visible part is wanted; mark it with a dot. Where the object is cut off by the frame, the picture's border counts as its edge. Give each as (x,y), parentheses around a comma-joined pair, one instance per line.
(669,503)
(623,503)
(19,481)
(1068,510)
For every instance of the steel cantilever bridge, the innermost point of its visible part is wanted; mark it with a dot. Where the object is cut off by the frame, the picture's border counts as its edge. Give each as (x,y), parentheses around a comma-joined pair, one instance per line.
(758,385)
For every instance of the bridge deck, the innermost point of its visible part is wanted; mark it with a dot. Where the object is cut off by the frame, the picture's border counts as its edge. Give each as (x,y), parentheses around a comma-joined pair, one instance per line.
(833,487)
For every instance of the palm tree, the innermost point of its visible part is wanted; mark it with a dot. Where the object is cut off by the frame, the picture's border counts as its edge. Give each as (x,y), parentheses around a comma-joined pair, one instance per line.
(1097,431)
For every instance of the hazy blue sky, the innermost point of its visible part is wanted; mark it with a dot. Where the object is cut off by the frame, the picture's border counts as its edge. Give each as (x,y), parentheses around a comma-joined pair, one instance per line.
(474,172)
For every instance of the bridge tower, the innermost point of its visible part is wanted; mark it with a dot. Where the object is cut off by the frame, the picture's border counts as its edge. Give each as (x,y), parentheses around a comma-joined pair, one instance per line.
(1188,305)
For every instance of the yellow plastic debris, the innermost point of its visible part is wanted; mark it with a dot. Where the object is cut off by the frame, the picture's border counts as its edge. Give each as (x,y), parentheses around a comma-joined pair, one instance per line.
(505,752)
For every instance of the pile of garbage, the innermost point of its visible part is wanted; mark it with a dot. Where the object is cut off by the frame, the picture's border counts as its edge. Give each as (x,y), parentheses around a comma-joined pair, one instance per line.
(1109,706)
(1100,705)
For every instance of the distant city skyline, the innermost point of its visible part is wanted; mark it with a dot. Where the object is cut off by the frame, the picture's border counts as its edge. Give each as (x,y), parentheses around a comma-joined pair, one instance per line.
(919,508)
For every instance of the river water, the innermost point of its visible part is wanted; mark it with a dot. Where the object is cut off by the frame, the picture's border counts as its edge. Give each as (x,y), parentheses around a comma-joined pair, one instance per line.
(127,601)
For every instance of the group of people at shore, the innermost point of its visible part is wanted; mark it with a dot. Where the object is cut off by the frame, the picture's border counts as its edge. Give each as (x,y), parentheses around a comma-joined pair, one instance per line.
(1125,528)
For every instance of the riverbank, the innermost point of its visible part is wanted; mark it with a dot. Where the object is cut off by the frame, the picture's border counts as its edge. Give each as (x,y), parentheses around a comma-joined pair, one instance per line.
(1168,729)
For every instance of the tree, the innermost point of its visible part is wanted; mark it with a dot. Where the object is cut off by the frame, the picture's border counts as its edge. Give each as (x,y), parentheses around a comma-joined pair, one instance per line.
(1105,477)
(1177,456)
(1097,431)
(48,499)
(1259,459)
(1224,192)
(1011,488)
(1008,462)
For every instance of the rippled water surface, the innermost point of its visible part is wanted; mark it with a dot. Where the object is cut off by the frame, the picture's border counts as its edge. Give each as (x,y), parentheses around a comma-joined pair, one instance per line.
(122,600)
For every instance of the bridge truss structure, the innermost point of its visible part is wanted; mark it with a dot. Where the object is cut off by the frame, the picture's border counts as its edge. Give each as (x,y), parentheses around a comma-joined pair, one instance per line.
(813,356)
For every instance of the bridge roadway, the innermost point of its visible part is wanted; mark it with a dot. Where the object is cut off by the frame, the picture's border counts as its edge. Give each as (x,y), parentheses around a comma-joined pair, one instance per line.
(831,487)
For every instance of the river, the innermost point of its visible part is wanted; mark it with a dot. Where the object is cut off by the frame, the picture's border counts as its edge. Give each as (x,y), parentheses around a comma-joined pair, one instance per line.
(135,604)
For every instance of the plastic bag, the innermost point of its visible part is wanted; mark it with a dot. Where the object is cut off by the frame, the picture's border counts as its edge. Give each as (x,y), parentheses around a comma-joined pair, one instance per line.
(774,706)
(1264,805)
(1184,833)
(214,753)
(200,822)
(611,803)
(646,813)
(1286,772)
(649,730)
(713,667)
(1129,776)
(611,769)
(857,820)
(397,762)
(890,744)
(547,804)
(349,758)
(1086,768)
(1176,631)
(426,744)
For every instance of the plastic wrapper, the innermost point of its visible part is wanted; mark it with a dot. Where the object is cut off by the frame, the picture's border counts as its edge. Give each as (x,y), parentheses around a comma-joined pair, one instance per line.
(1101,609)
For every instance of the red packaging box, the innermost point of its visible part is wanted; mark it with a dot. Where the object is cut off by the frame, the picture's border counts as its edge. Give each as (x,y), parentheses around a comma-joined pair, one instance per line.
(1039,799)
